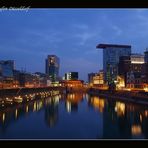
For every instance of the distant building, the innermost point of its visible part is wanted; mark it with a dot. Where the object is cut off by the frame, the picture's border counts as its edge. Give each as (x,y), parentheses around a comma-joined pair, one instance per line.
(44,79)
(6,73)
(71,76)
(52,67)
(40,74)
(16,78)
(98,79)
(131,64)
(28,80)
(111,55)
(6,68)
(72,83)
(146,65)
(135,80)
(90,77)
(146,56)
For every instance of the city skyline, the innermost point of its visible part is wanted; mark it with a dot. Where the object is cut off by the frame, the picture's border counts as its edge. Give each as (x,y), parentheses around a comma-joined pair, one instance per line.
(71,34)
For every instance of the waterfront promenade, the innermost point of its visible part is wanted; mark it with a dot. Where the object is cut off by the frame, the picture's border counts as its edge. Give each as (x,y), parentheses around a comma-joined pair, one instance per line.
(26,94)
(139,97)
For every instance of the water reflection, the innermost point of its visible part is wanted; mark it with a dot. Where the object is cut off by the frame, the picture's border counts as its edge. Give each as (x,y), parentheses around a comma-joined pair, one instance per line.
(72,101)
(120,108)
(10,114)
(119,119)
(51,111)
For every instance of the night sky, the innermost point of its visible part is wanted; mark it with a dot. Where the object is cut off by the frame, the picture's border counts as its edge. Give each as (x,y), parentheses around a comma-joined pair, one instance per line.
(72,34)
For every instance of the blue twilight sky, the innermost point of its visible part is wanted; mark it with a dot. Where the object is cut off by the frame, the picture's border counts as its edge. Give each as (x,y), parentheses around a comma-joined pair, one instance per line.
(72,34)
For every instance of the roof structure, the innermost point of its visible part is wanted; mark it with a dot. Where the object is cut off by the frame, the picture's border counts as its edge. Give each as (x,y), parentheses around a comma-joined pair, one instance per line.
(112,45)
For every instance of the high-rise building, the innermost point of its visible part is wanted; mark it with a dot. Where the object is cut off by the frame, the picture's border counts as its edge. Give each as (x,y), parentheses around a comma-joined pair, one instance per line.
(111,55)
(52,67)
(71,76)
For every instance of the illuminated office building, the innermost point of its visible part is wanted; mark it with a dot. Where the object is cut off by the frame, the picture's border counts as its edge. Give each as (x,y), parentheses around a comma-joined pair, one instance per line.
(111,55)
(131,68)
(71,76)
(52,67)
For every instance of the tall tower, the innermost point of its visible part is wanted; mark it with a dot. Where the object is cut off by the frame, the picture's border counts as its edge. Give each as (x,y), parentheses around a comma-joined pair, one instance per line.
(52,67)
(111,55)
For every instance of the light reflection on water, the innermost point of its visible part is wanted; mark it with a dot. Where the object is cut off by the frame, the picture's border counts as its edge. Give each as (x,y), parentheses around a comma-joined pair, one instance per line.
(74,115)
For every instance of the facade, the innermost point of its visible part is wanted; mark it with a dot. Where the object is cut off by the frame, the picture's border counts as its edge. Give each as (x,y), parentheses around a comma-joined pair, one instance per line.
(146,56)
(90,78)
(44,79)
(23,79)
(135,80)
(71,76)
(98,79)
(6,73)
(6,68)
(52,67)
(16,78)
(111,55)
(28,80)
(146,65)
(131,65)
(72,83)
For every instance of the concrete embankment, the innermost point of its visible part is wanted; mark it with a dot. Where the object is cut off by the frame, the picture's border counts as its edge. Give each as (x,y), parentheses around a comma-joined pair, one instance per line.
(125,96)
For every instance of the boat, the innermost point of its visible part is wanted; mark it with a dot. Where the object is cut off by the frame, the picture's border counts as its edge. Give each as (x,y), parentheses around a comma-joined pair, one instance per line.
(9,101)
(18,99)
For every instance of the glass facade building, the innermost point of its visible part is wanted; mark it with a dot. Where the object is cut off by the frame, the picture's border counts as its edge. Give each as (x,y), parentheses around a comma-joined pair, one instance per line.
(130,64)
(111,55)
(52,67)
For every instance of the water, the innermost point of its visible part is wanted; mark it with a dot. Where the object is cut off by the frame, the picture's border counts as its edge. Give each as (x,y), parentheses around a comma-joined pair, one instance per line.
(75,116)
